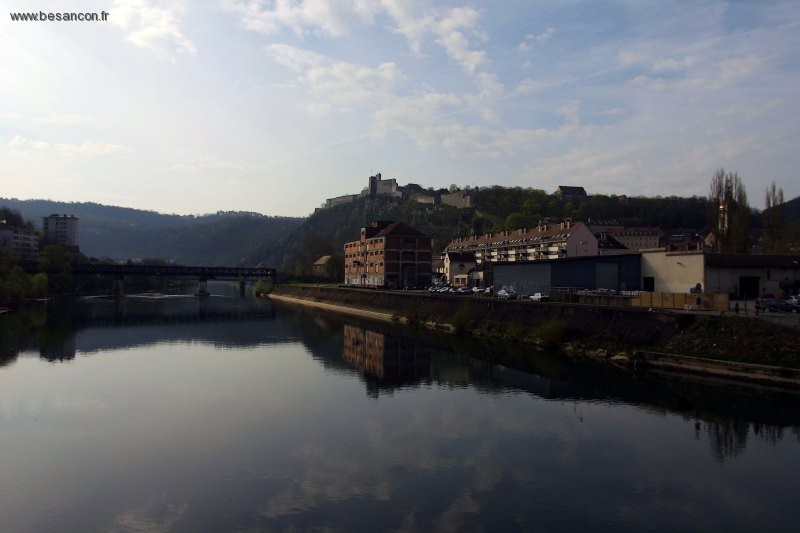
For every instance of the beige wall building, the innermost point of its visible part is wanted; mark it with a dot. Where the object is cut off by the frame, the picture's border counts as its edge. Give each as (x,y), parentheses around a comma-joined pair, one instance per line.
(635,239)
(457,267)
(664,271)
(742,276)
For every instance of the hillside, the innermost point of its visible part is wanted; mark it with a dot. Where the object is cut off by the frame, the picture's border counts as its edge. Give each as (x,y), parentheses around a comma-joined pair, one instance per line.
(224,238)
(232,238)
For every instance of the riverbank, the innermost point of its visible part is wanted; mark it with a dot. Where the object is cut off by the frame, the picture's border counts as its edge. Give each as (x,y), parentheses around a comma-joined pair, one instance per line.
(623,336)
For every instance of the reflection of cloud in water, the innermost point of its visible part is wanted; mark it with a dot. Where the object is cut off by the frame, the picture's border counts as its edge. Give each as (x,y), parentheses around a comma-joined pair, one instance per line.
(153,517)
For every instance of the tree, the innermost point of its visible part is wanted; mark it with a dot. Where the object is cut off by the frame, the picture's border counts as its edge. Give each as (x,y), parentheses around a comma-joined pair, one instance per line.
(729,213)
(774,240)
(56,262)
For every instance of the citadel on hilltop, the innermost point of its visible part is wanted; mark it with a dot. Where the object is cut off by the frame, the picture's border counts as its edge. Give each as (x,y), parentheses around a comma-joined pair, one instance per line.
(377,186)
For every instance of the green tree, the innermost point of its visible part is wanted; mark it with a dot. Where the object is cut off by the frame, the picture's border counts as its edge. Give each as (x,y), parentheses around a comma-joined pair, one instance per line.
(56,262)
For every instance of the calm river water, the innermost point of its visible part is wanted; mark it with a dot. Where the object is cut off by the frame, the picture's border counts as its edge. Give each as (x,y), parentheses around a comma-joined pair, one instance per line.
(228,414)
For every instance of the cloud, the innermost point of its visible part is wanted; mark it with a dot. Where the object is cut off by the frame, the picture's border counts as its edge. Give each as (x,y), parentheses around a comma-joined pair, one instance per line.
(530,40)
(151,26)
(210,163)
(333,19)
(671,64)
(22,144)
(451,29)
(711,77)
(337,84)
(450,34)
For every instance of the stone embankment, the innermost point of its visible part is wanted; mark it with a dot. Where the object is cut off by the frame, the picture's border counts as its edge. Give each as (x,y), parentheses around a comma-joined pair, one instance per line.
(621,335)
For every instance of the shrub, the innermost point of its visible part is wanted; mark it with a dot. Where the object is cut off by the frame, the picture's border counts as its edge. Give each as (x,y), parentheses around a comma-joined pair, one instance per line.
(550,333)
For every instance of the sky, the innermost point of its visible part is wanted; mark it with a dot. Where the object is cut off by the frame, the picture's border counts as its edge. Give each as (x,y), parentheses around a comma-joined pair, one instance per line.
(193,107)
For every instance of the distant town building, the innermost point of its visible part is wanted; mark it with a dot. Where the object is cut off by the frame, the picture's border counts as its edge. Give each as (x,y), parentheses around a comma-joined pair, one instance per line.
(566,193)
(377,186)
(388,254)
(23,243)
(636,239)
(61,230)
(321,267)
(459,199)
(458,266)
(546,241)
(340,200)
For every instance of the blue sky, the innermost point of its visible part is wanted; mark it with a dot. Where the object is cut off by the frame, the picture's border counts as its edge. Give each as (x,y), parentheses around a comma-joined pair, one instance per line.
(273,106)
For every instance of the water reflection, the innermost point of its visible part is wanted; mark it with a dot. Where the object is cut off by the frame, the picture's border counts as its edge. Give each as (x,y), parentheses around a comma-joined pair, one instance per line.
(247,415)
(58,331)
(385,361)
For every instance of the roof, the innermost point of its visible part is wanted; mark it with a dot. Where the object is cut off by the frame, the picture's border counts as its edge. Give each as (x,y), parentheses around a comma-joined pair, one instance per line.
(461,257)
(752,261)
(573,191)
(634,231)
(534,236)
(398,228)
(324,260)
(610,243)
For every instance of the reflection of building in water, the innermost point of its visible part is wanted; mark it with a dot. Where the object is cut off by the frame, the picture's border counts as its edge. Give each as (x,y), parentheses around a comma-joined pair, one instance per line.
(385,361)
(58,349)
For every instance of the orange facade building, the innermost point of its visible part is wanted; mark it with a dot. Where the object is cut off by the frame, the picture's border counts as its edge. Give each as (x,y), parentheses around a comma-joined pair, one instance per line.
(391,255)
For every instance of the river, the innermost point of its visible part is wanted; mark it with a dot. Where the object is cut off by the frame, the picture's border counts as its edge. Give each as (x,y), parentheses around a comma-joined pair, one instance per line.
(234,414)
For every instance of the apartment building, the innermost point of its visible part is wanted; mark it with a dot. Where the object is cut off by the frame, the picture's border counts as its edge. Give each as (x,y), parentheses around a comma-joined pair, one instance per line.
(635,239)
(390,255)
(546,241)
(61,229)
(23,243)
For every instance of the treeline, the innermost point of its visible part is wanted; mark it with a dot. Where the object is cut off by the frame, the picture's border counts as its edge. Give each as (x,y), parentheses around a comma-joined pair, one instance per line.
(517,207)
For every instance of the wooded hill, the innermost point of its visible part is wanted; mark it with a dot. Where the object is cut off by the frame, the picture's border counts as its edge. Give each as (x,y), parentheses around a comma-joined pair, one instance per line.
(223,238)
(293,244)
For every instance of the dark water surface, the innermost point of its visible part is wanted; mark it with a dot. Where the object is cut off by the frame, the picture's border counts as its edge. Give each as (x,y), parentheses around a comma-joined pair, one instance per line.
(173,414)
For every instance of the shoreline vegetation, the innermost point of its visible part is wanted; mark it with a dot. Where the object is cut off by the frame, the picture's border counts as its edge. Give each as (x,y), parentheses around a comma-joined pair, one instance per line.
(726,349)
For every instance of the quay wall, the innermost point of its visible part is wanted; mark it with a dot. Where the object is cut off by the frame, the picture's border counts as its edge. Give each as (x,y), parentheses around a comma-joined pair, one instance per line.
(492,317)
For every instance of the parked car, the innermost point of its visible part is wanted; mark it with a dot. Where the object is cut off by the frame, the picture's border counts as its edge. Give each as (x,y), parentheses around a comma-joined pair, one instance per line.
(464,290)
(774,304)
(539,297)
(507,294)
(477,290)
(794,300)
(489,289)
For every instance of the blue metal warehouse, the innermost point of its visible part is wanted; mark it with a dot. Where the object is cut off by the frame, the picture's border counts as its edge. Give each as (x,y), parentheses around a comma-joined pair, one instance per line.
(613,272)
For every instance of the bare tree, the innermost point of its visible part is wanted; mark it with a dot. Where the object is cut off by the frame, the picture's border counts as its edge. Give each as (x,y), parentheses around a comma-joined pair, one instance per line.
(774,240)
(729,216)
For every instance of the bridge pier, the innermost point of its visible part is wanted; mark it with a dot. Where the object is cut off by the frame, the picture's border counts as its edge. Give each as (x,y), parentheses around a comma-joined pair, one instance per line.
(202,288)
(118,288)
